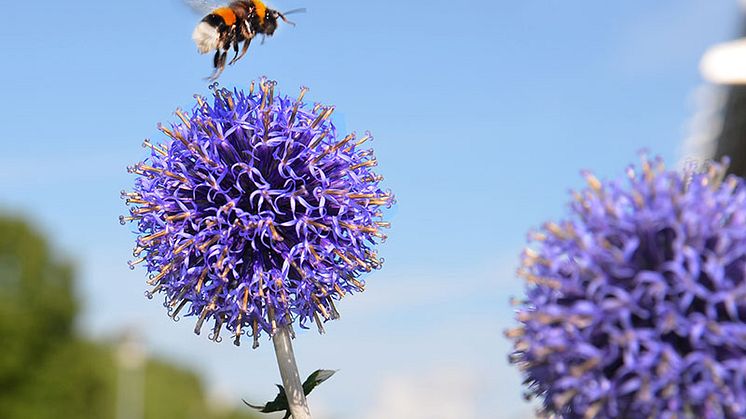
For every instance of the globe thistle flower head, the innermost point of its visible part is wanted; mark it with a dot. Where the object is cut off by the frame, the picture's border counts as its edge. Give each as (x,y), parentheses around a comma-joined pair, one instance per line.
(254,214)
(636,305)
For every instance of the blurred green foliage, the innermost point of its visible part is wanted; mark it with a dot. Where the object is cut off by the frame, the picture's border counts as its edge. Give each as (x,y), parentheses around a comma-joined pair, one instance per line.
(47,372)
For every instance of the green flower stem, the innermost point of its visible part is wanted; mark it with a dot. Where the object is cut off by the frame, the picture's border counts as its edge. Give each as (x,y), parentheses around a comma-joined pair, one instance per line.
(289,373)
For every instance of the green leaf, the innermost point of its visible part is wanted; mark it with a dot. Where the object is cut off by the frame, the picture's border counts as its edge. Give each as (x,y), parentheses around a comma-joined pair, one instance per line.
(280,403)
(316,378)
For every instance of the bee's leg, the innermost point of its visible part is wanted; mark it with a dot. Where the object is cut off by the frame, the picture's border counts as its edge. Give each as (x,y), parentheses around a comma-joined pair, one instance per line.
(219,64)
(235,45)
(246,44)
(245,34)
(235,51)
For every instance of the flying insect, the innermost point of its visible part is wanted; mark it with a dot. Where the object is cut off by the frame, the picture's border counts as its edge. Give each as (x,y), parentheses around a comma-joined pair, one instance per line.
(233,27)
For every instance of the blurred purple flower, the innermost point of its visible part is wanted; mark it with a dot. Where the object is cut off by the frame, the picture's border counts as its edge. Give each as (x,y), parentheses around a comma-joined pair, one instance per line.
(255,214)
(636,306)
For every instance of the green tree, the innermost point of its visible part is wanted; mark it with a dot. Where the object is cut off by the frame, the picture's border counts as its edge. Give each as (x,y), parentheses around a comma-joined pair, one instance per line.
(75,380)
(46,371)
(37,307)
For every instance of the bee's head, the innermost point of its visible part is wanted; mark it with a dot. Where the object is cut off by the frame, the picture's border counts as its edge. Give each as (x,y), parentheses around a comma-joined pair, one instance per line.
(270,21)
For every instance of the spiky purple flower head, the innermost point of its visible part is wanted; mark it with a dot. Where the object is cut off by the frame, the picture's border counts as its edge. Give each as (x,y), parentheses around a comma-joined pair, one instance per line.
(254,214)
(636,306)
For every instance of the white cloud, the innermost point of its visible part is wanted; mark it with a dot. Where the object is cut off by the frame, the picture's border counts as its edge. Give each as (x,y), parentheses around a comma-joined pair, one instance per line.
(447,393)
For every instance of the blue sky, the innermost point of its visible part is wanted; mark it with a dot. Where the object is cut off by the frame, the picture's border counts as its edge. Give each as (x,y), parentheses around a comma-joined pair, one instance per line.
(483,113)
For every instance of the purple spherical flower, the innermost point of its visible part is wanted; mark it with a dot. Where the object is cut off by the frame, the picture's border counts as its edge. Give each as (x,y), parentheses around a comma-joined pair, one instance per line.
(255,214)
(636,306)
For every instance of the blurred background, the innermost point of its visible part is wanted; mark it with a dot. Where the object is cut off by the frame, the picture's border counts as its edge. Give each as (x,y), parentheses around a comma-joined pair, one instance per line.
(484,113)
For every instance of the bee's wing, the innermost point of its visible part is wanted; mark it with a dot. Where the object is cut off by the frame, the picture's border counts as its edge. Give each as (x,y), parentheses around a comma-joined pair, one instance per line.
(202,7)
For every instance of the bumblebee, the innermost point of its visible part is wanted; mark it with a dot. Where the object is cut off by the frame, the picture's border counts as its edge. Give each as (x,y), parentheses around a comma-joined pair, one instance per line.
(234,26)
